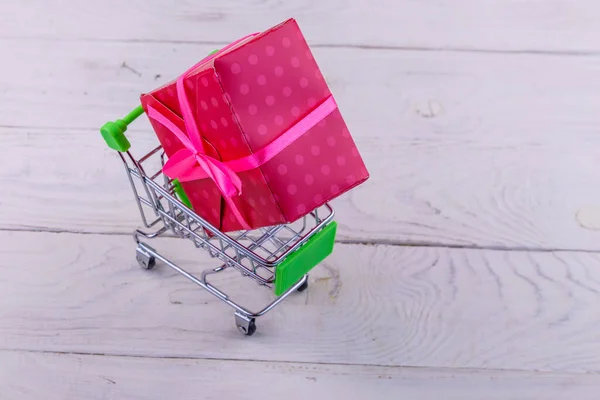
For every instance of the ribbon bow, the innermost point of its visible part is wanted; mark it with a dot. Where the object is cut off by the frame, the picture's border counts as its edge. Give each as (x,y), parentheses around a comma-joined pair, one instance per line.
(193,163)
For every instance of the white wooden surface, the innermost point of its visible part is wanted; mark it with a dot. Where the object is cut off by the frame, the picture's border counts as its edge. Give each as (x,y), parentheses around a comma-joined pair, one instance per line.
(383,305)
(467,267)
(101,377)
(562,26)
(464,149)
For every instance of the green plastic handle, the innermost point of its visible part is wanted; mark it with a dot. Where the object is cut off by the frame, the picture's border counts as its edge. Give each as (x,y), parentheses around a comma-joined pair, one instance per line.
(114,132)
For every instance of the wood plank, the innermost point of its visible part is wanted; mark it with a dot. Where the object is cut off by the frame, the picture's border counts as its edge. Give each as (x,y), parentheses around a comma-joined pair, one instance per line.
(65,376)
(371,305)
(560,25)
(469,149)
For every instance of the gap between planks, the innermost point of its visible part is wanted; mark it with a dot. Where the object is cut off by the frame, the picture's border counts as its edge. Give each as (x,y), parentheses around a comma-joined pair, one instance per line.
(102,378)
(445,49)
(358,242)
(262,361)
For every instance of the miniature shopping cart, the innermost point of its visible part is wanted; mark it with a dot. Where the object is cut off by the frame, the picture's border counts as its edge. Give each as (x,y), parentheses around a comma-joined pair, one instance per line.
(277,257)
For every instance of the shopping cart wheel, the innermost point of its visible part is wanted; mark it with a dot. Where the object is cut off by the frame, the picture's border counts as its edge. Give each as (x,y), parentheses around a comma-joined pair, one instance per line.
(303,287)
(245,324)
(145,260)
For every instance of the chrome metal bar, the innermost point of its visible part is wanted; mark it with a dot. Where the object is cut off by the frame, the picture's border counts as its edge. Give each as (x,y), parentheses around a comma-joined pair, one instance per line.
(152,235)
(218,293)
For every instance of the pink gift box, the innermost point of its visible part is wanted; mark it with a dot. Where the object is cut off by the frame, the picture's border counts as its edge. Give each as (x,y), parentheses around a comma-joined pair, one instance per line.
(262,100)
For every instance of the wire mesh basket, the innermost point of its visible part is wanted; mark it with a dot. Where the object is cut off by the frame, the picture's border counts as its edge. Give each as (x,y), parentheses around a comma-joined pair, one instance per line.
(277,257)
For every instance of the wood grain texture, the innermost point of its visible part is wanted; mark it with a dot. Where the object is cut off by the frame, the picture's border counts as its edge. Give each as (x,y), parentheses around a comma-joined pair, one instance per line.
(558,25)
(464,149)
(25,376)
(371,305)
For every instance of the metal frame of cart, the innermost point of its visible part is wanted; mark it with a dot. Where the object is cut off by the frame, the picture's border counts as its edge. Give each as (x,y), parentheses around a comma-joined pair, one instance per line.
(277,257)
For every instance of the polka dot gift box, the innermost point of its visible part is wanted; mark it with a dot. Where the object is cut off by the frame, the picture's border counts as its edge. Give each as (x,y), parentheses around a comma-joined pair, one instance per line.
(253,133)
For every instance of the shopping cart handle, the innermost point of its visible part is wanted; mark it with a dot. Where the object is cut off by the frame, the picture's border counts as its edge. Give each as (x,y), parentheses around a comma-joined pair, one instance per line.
(114,132)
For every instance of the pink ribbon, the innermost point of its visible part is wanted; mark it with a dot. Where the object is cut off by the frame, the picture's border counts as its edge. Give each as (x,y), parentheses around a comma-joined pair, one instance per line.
(192,162)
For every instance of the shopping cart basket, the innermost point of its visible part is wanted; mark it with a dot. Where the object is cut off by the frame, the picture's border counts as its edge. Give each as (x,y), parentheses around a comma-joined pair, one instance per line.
(277,257)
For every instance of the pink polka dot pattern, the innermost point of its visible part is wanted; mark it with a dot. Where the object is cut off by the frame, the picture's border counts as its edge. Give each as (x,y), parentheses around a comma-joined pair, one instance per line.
(355,152)
(236,68)
(215,212)
(214,101)
(204,81)
(213,124)
(263,88)
(205,193)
